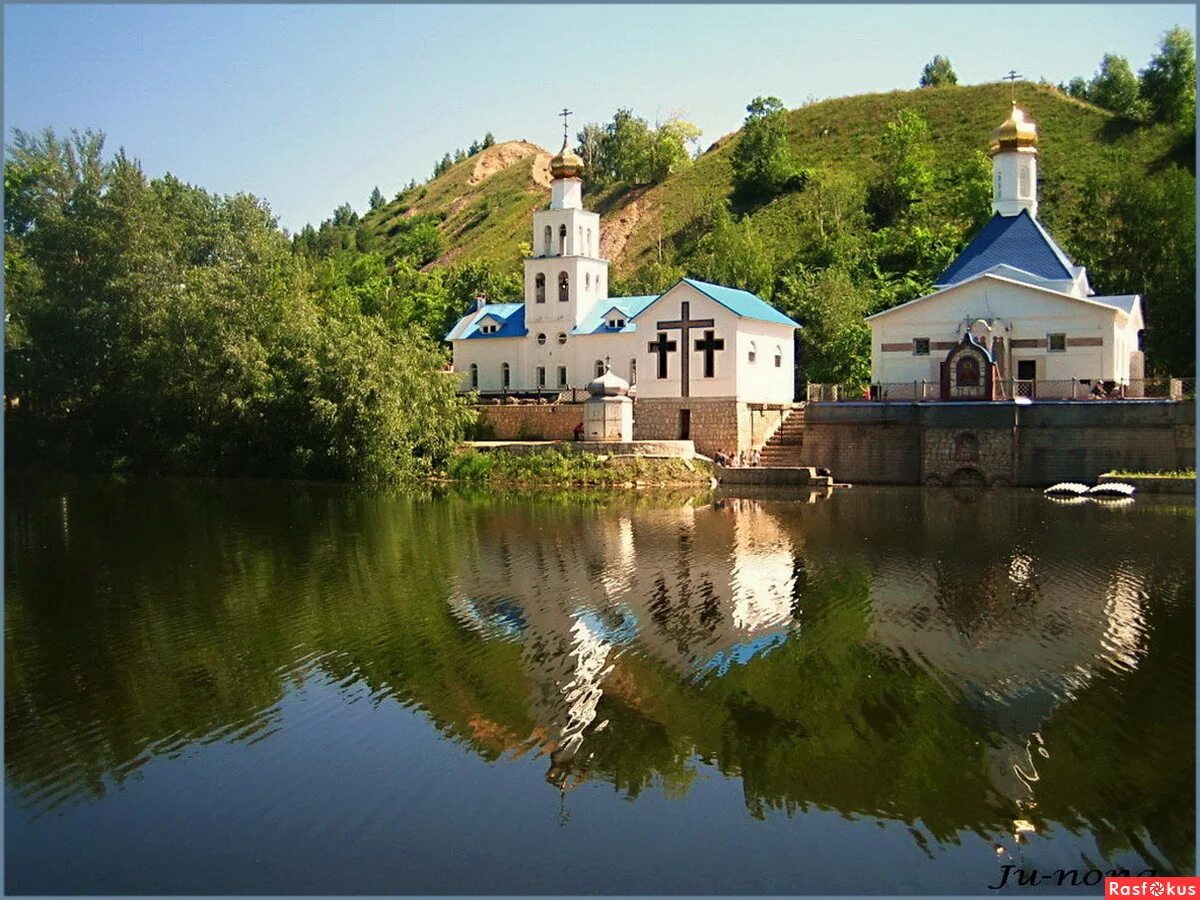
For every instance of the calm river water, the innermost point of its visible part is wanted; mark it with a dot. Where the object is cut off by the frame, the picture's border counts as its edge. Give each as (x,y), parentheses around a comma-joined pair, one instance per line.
(247,687)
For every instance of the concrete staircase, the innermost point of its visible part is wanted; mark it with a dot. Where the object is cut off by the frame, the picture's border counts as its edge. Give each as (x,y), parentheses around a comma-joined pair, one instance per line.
(785,447)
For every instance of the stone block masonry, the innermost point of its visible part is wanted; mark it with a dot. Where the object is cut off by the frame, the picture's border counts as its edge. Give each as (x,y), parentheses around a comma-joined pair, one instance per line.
(1034,444)
(712,424)
(530,421)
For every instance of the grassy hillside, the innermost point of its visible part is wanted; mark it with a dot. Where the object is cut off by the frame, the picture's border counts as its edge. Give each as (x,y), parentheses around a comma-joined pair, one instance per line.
(843,134)
(485,202)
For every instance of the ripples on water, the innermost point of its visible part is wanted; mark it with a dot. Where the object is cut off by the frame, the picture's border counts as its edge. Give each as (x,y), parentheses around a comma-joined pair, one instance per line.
(957,666)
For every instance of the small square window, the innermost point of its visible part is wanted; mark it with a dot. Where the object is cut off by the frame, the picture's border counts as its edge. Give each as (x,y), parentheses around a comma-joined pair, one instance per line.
(1056,342)
(920,346)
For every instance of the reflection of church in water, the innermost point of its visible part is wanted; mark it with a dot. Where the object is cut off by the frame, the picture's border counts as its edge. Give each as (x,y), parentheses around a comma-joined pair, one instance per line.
(702,590)
(697,589)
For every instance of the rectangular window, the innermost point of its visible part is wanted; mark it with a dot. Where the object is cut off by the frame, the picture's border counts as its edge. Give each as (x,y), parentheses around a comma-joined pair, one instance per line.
(541,376)
(920,346)
(1056,342)
(562,376)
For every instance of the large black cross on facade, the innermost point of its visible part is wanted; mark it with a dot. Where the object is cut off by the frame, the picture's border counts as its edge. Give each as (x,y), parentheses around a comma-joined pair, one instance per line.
(662,347)
(685,323)
(708,347)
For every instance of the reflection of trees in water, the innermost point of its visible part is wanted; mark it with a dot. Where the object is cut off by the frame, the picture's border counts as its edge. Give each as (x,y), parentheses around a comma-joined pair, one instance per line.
(146,638)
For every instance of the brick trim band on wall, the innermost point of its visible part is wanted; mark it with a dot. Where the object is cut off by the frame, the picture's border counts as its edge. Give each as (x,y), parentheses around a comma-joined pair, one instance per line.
(1027,343)
(1085,342)
(934,345)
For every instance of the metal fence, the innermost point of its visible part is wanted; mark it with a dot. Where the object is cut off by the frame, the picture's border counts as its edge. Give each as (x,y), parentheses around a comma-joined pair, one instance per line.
(1070,389)
(542,395)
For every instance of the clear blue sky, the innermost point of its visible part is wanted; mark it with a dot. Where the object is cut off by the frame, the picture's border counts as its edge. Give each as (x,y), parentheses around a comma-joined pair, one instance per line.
(311,106)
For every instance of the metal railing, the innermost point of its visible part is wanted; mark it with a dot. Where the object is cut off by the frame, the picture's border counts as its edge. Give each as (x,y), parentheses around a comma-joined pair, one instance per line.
(532,396)
(1165,388)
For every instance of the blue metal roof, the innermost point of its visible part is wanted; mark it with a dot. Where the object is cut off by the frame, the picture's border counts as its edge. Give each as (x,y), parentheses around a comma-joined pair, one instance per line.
(509,316)
(595,322)
(740,303)
(1017,241)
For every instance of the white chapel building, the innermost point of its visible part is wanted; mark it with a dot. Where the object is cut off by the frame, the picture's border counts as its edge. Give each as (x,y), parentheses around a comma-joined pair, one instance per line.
(1014,303)
(695,355)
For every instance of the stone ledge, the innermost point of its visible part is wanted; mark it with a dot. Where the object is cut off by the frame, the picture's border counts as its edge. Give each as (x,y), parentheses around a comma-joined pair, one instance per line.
(1153,484)
(663,449)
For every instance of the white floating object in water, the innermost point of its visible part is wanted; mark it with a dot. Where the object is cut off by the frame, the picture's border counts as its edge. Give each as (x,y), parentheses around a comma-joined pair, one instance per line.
(1110,500)
(1112,489)
(1066,489)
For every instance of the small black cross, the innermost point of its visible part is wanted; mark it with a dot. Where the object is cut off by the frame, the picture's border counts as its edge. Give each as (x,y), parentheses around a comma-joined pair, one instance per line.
(1011,78)
(566,112)
(708,346)
(662,347)
(684,323)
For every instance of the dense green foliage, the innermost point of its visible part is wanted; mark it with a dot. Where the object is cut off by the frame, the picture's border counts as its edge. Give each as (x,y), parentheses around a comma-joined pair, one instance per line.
(762,164)
(1169,81)
(937,73)
(152,324)
(627,151)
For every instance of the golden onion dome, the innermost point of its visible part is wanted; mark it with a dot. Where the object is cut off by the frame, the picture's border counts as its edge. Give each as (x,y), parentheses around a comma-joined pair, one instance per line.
(567,164)
(1014,133)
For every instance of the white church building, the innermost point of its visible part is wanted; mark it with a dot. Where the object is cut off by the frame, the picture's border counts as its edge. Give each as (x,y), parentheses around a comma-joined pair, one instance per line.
(697,356)
(1013,315)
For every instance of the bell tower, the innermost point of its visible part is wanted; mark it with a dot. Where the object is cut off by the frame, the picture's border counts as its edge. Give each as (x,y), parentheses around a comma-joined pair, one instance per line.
(1014,152)
(565,276)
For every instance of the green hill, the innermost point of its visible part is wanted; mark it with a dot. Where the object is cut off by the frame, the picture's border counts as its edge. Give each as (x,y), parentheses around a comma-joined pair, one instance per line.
(484,203)
(1077,141)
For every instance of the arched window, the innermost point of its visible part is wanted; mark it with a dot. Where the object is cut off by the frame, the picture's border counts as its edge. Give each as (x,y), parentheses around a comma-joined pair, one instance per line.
(590,252)
(999,184)
(564,287)
(562,376)
(562,240)
(541,339)
(579,241)
(778,357)
(968,372)
(599,367)
(752,356)
(549,248)
(633,371)
(587,281)
(474,370)
(504,380)
(541,376)
(539,288)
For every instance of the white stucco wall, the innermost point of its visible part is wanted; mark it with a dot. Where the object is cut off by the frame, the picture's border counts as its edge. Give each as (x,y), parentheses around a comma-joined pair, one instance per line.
(1032,314)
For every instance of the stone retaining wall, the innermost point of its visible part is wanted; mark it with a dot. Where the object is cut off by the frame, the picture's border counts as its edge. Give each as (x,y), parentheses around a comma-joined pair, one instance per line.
(715,423)
(530,421)
(1034,444)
